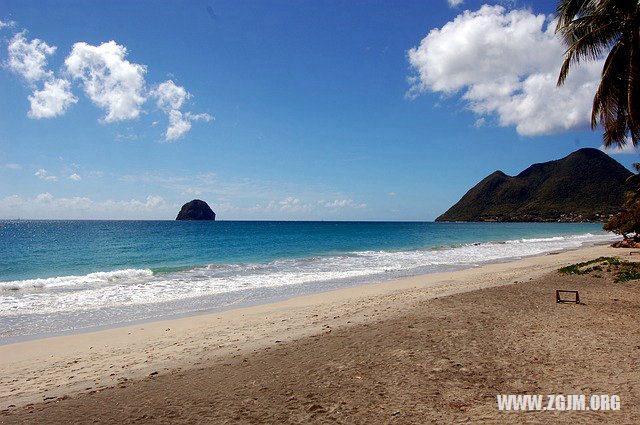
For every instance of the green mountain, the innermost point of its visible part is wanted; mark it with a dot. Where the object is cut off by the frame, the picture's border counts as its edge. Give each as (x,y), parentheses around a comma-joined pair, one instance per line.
(587,185)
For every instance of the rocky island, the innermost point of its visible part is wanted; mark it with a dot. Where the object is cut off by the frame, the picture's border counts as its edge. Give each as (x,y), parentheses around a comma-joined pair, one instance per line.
(196,210)
(587,185)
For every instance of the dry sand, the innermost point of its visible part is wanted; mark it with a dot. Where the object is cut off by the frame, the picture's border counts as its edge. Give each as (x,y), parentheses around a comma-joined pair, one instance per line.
(408,351)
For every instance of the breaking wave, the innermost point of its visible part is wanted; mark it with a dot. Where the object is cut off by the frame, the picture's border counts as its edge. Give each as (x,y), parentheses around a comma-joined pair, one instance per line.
(130,287)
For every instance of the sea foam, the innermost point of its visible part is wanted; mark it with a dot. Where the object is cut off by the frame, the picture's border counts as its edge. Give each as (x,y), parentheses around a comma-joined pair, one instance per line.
(76,281)
(132,287)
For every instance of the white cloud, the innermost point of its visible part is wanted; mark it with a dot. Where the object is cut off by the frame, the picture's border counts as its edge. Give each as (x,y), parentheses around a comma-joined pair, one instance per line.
(44,198)
(180,123)
(13,166)
(391,194)
(45,205)
(75,177)
(455,3)
(7,24)
(505,63)
(250,199)
(52,100)
(170,98)
(109,80)
(178,126)
(154,201)
(29,59)
(43,174)
(199,117)
(292,204)
(341,203)
(288,205)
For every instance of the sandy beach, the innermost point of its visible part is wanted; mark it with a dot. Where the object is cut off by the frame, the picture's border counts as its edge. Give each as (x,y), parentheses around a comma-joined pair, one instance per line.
(434,348)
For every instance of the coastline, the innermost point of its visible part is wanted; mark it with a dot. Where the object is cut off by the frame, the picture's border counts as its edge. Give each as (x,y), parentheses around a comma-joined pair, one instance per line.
(65,305)
(47,369)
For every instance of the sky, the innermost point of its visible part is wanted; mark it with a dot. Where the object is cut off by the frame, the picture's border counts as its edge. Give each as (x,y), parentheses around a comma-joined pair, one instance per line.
(278,110)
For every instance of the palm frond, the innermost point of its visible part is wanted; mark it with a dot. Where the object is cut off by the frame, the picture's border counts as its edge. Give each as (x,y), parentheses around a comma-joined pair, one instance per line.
(567,10)
(590,29)
(589,44)
(610,101)
(634,87)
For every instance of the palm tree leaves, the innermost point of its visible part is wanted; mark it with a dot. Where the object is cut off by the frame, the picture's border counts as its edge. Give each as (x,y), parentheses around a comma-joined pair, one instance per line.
(610,102)
(590,29)
(586,42)
(568,10)
(634,87)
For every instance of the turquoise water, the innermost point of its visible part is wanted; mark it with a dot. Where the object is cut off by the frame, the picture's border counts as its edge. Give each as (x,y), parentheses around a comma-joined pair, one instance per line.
(37,249)
(69,275)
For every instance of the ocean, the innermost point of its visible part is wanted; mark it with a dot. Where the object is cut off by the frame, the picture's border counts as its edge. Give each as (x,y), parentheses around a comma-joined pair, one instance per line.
(70,276)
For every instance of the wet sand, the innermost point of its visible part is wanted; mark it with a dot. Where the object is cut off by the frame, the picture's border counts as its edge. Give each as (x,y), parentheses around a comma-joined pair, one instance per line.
(435,348)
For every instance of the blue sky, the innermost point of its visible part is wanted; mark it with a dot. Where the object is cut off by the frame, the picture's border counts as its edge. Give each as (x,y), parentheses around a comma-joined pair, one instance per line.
(370,110)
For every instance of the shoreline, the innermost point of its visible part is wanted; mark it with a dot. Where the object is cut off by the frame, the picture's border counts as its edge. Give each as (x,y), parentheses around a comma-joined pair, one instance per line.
(265,301)
(276,294)
(49,368)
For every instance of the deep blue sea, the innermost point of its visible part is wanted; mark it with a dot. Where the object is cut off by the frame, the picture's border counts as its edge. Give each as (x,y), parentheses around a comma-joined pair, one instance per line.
(58,276)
